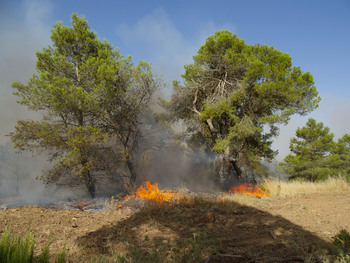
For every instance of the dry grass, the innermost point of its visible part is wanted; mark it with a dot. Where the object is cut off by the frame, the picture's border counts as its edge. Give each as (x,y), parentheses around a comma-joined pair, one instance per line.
(282,188)
(243,199)
(277,187)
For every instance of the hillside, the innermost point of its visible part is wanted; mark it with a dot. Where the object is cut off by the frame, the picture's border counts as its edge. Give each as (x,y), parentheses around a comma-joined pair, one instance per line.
(232,228)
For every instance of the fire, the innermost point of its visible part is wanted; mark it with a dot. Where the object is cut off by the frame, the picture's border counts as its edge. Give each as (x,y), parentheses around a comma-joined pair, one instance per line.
(151,192)
(249,189)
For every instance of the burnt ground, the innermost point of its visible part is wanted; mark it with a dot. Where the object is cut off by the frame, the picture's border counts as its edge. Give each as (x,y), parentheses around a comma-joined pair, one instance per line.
(276,229)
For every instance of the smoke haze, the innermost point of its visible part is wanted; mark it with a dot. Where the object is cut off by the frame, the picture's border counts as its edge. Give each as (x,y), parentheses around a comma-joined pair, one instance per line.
(154,38)
(21,37)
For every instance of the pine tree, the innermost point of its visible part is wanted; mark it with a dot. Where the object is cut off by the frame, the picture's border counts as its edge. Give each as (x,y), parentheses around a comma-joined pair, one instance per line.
(233,92)
(90,97)
(312,157)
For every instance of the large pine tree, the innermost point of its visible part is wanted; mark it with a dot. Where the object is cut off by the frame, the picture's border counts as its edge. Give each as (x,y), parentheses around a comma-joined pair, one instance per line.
(234,96)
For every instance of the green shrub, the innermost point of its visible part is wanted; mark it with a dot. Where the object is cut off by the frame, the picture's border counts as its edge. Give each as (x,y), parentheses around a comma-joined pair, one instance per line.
(342,240)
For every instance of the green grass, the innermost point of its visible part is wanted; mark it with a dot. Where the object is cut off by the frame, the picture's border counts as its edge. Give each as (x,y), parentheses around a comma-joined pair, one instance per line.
(14,249)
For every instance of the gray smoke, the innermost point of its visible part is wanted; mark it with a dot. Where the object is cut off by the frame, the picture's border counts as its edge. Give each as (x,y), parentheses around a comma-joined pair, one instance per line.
(22,33)
(19,177)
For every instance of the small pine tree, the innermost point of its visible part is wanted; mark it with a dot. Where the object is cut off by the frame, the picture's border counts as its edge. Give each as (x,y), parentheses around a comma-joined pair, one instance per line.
(312,155)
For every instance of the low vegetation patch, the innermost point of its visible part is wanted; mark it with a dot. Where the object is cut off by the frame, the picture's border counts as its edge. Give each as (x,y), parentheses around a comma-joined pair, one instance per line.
(342,241)
(290,188)
(16,249)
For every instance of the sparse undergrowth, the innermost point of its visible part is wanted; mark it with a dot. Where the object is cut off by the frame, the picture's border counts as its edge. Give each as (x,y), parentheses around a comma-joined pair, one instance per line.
(193,249)
(342,241)
(198,248)
(193,230)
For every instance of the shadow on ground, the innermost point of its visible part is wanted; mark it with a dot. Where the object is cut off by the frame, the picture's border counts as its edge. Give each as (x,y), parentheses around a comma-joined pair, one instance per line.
(239,233)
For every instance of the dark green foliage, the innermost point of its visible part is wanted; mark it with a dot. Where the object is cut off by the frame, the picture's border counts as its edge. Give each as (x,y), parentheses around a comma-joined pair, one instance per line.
(315,155)
(341,154)
(234,96)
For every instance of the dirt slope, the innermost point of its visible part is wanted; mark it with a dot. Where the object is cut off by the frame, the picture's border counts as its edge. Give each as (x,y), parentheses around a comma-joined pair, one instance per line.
(267,230)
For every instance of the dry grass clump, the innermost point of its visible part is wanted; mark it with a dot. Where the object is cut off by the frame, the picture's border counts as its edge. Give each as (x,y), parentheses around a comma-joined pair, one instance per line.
(243,199)
(278,187)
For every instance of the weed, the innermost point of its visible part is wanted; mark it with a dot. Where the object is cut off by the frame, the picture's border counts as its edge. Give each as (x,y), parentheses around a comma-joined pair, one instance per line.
(45,254)
(342,240)
(61,257)
(14,249)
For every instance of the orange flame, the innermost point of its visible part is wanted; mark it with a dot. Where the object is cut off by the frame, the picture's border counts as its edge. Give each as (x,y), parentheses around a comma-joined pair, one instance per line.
(249,189)
(151,192)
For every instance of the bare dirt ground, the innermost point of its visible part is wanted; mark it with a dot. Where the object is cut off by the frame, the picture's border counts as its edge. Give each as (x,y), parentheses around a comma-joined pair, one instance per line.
(276,229)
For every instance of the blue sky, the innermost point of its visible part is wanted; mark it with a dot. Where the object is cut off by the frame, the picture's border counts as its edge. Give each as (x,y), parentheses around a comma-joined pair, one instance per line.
(316,34)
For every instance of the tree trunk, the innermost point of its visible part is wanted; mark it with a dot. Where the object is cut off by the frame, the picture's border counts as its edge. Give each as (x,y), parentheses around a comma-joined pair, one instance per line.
(222,172)
(90,185)
(237,169)
(89,182)
(228,170)
(130,179)
(132,171)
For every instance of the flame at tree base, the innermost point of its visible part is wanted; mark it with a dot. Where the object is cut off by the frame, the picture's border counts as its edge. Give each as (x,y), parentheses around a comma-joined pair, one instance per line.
(151,192)
(249,189)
